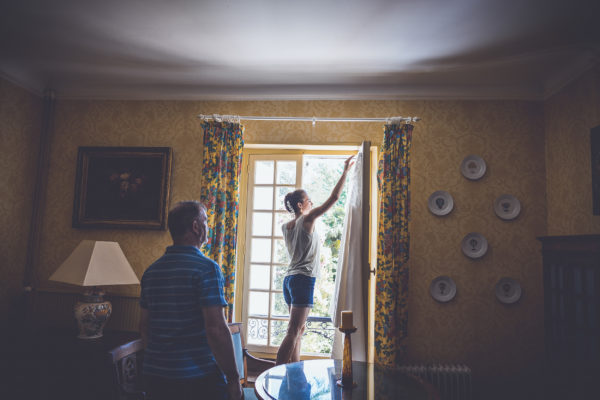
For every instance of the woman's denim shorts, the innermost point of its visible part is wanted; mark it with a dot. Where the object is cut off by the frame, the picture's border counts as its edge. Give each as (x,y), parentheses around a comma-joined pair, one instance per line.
(298,290)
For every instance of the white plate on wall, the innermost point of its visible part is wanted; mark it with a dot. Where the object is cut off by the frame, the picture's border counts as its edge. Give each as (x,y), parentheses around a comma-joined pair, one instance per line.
(508,291)
(507,207)
(440,203)
(473,167)
(474,245)
(442,289)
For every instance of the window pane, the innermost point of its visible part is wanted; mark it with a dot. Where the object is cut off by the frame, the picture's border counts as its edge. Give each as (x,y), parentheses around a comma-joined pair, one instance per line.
(280,219)
(281,192)
(279,308)
(263,198)
(257,331)
(278,276)
(319,175)
(268,259)
(323,293)
(261,223)
(261,250)
(286,172)
(318,338)
(259,276)
(258,303)
(278,331)
(264,172)
(281,254)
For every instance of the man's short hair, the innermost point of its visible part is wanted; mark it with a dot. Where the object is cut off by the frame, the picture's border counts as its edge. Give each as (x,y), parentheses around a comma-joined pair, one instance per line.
(182,216)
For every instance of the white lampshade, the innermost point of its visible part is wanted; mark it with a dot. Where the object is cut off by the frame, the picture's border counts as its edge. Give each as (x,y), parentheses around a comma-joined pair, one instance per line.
(96,263)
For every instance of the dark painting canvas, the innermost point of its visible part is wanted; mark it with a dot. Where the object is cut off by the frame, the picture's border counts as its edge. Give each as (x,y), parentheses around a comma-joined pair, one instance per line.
(595,145)
(122,187)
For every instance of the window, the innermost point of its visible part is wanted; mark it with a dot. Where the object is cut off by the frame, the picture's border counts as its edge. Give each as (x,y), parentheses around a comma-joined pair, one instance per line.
(264,311)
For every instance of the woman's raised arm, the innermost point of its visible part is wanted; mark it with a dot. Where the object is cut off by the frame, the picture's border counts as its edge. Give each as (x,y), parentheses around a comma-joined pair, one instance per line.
(316,212)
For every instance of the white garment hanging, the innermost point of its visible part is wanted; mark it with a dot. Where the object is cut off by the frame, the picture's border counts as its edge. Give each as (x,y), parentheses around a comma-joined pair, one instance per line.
(348,293)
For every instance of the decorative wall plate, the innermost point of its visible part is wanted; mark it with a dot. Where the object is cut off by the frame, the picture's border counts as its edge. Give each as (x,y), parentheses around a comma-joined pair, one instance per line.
(473,167)
(508,290)
(442,289)
(474,245)
(440,203)
(507,207)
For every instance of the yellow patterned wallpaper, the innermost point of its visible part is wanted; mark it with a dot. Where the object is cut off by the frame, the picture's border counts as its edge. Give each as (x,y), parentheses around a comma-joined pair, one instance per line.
(499,342)
(569,116)
(20,116)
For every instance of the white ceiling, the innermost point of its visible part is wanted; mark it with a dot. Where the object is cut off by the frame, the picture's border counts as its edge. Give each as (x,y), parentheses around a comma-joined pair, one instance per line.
(291,49)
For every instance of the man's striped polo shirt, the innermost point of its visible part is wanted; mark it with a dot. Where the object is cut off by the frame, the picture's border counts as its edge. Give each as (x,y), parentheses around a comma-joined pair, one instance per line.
(174,290)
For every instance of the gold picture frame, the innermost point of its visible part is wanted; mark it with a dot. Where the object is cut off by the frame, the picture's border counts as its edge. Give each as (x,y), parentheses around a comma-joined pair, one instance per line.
(122,187)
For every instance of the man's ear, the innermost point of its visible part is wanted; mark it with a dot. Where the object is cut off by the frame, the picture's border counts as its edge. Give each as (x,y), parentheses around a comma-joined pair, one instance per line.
(200,229)
(203,232)
(196,227)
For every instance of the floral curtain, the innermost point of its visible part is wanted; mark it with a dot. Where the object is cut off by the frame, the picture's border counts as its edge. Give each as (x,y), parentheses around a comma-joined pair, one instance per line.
(223,144)
(391,309)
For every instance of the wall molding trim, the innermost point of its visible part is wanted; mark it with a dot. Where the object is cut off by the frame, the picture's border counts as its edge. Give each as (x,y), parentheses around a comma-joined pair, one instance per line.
(39,194)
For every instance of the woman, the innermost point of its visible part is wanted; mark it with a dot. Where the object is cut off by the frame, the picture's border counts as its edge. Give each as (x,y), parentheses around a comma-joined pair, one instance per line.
(302,242)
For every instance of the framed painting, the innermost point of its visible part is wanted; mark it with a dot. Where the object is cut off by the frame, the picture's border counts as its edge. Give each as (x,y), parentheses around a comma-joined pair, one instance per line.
(595,146)
(122,187)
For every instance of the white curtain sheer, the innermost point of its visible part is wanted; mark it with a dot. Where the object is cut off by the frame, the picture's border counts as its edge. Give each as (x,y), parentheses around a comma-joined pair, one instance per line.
(348,294)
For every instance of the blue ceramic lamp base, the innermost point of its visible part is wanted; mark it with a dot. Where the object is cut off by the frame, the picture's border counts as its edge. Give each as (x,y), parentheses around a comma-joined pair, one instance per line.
(91,314)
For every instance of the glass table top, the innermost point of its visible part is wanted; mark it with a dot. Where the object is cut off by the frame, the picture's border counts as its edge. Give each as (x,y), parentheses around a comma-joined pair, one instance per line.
(316,379)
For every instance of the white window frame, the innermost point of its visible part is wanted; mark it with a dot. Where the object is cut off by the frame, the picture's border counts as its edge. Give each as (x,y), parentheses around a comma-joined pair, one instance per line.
(287,152)
(298,157)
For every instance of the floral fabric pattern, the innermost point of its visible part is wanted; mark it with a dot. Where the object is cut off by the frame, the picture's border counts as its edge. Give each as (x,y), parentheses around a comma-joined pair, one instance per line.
(223,144)
(391,307)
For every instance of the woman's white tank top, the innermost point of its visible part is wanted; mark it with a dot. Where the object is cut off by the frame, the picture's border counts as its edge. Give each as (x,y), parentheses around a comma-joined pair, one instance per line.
(303,248)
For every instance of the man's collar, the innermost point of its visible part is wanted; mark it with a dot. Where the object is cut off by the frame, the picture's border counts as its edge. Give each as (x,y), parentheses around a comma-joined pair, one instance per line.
(183,249)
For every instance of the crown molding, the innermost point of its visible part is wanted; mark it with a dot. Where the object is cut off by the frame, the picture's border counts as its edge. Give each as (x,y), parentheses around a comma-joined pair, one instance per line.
(24,84)
(533,91)
(576,69)
(314,92)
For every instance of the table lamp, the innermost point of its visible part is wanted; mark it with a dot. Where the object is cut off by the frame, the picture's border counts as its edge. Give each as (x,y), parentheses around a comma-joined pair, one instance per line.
(92,264)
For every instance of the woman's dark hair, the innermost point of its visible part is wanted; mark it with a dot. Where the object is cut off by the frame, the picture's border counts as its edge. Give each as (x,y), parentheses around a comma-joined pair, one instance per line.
(292,199)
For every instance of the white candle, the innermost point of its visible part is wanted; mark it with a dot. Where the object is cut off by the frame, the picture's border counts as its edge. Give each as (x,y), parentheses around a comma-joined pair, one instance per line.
(347,320)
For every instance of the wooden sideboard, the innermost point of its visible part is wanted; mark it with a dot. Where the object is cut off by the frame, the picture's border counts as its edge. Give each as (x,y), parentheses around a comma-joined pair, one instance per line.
(572,314)
(48,363)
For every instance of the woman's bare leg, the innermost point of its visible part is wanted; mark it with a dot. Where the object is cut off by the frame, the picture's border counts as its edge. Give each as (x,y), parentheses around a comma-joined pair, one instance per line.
(297,346)
(296,353)
(298,317)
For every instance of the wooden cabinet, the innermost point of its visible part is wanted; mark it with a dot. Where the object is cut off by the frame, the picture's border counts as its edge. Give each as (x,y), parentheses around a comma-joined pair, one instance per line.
(47,364)
(572,314)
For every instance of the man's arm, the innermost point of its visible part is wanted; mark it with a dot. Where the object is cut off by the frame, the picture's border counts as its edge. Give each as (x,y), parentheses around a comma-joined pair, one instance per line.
(221,345)
(144,326)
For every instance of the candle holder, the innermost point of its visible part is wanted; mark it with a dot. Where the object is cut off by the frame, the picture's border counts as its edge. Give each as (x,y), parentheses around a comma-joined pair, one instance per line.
(346,381)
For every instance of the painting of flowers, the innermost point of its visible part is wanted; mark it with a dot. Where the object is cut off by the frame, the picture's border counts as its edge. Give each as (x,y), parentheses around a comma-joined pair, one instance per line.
(122,187)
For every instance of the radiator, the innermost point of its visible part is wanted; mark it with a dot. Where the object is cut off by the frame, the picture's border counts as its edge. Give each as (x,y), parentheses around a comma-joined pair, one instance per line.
(453,382)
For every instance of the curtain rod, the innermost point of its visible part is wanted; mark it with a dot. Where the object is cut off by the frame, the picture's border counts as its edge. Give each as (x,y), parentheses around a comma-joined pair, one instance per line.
(237,118)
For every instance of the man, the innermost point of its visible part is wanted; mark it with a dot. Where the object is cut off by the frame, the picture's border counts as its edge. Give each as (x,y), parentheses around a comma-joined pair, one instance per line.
(183,326)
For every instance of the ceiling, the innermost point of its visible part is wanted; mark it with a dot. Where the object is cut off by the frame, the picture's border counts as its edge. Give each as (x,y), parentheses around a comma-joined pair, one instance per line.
(286,49)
